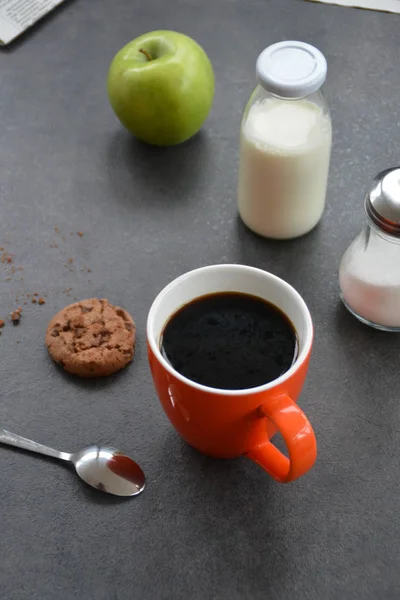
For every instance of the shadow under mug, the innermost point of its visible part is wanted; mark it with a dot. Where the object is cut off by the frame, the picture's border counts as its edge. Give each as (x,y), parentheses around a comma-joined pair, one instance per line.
(232,423)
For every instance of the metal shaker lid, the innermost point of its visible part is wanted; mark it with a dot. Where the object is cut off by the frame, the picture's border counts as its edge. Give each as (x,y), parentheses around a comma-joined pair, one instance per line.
(382,203)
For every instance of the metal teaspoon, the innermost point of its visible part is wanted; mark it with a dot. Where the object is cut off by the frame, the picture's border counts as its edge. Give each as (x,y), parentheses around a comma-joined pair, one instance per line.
(104,468)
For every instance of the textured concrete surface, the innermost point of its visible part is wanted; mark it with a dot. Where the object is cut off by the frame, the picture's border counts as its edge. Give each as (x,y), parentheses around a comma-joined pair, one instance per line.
(203,529)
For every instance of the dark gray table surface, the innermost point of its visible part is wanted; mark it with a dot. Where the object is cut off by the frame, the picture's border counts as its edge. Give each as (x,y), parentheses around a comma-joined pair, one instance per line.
(203,529)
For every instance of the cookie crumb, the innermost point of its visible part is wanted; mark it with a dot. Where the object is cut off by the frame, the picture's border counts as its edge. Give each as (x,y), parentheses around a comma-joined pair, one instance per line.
(56,229)
(34,300)
(69,264)
(6,258)
(80,233)
(1,323)
(42,301)
(16,315)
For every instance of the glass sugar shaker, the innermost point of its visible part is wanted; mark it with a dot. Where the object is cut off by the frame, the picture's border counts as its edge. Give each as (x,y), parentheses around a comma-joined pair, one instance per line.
(369,272)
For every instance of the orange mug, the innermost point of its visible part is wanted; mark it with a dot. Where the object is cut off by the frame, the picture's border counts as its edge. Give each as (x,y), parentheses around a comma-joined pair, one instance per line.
(233,423)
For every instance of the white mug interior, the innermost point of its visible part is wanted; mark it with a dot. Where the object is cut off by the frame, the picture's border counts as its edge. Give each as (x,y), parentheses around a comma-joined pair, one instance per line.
(230,278)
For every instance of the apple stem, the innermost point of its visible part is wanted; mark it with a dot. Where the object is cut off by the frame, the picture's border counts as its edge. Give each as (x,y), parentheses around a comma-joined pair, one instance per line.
(147,54)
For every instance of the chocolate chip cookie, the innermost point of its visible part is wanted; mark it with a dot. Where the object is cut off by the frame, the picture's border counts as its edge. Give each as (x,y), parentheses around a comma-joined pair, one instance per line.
(91,338)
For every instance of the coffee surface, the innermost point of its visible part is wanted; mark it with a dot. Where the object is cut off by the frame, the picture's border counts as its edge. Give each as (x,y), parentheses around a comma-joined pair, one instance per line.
(229,341)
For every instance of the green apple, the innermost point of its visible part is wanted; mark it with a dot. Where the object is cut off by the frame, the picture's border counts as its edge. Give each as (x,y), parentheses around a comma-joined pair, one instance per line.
(161,87)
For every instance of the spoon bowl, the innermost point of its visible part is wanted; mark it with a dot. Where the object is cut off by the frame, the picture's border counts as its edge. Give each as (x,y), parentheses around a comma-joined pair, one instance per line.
(108,470)
(104,468)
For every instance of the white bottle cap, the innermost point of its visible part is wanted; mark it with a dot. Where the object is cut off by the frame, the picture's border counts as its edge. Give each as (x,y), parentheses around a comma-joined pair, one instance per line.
(291,69)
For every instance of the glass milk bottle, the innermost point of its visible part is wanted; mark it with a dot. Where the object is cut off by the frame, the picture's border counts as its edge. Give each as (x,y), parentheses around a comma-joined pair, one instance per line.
(285,143)
(369,272)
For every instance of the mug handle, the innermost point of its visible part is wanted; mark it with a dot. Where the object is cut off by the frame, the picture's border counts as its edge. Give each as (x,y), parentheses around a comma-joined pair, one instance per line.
(298,436)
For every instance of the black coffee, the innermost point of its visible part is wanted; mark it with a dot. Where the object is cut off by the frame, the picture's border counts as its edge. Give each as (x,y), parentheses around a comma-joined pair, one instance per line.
(229,341)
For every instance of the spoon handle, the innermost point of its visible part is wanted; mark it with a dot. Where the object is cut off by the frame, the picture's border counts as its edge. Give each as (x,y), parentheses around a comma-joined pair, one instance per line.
(6,437)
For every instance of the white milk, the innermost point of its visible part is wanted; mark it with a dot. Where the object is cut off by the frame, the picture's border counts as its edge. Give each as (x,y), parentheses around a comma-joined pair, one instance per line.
(284,162)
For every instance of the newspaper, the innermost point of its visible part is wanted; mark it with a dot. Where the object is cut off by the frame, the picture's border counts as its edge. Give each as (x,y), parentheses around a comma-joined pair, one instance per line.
(392,6)
(16,16)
